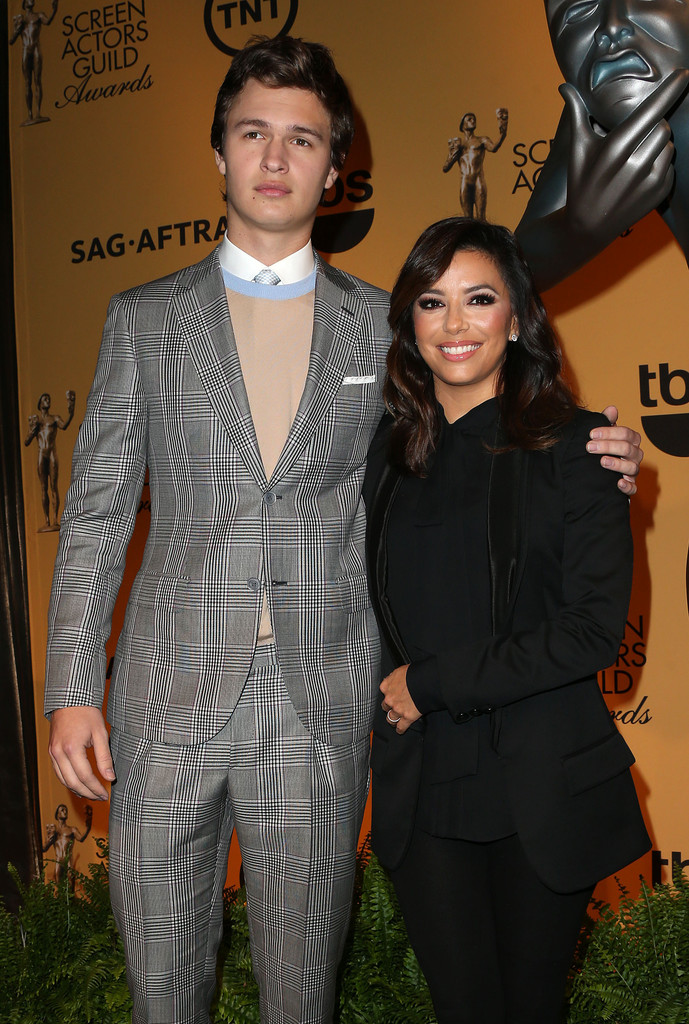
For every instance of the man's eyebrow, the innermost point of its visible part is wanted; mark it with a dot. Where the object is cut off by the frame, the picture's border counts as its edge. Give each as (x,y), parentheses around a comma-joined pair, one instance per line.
(289,129)
(302,129)
(251,122)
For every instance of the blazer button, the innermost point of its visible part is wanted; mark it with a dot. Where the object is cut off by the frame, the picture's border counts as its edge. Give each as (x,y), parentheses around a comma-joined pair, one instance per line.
(270,497)
(253,583)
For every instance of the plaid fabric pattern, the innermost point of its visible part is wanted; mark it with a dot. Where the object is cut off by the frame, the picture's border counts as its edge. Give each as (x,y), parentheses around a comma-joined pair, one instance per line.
(296,804)
(168,395)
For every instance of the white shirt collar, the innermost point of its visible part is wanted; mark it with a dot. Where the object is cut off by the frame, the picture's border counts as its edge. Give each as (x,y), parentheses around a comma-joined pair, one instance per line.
(290,270)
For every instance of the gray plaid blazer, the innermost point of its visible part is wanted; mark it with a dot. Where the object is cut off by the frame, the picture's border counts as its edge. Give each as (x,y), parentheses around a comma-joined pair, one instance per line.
(168,395)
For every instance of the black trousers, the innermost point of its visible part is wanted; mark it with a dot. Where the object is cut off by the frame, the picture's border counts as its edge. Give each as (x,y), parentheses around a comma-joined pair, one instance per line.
(494,943)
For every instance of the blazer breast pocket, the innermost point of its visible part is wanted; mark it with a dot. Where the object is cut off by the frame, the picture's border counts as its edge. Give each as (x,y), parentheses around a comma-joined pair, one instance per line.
(350,421)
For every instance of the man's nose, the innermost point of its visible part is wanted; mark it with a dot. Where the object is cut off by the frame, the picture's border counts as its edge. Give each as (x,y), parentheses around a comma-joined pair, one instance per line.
(274,156)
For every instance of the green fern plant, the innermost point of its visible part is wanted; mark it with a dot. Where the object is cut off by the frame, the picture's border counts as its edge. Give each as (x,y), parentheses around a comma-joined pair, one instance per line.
(380,979)
(62,958)
(636,964)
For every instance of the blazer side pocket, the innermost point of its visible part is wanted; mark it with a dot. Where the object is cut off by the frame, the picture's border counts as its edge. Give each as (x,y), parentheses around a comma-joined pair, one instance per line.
(597,764)
(396,772)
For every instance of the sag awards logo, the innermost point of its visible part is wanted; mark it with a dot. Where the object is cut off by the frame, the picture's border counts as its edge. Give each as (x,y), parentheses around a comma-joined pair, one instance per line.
(102,49)
(618,681)
(231,23)
(529,159)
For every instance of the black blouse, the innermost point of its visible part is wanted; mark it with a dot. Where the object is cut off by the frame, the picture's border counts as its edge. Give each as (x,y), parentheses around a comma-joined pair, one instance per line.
(439,592)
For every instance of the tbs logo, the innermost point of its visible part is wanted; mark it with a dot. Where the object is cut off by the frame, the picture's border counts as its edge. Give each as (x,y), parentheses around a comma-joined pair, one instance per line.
(672,863)
(668,431)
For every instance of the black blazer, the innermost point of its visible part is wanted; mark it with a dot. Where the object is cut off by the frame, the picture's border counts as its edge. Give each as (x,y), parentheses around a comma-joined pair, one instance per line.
(561,562)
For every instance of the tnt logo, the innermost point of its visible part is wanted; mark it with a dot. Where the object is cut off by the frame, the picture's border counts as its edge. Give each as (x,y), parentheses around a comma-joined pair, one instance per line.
(668,431)
(231,23)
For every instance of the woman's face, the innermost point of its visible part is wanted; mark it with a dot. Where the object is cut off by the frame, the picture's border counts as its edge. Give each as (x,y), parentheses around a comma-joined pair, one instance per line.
(462,325)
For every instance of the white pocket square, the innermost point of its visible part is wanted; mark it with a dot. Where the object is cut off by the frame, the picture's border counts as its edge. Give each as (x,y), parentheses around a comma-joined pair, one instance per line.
(371,379)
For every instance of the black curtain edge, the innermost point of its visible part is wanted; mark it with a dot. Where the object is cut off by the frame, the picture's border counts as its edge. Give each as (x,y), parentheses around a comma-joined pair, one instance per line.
(20,814)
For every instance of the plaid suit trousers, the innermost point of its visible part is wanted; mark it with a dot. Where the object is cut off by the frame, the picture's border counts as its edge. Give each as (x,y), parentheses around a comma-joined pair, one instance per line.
(296,804)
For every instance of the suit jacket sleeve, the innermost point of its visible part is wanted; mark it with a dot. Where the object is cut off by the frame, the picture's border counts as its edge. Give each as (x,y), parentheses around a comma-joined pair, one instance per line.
(108,468)
(582,634)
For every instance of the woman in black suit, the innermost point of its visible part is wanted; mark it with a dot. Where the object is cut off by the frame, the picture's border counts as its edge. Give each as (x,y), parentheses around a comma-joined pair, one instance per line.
(500,559)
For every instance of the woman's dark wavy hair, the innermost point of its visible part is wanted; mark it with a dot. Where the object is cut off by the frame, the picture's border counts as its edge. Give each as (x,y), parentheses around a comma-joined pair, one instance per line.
(534,399)
(286,61)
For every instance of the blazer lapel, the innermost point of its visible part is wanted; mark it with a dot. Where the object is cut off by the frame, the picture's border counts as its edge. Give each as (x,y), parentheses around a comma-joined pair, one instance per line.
(337,322)
(378,514)
(507,495)
(205,320)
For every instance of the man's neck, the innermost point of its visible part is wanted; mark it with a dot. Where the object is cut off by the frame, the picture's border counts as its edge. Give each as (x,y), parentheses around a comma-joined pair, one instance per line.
(267,247)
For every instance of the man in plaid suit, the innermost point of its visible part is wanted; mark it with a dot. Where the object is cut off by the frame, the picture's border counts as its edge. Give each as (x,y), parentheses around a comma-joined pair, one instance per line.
(247,667)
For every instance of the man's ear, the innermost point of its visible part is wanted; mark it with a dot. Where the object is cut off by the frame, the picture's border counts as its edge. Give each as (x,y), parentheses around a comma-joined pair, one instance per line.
(332,177)
(219,161)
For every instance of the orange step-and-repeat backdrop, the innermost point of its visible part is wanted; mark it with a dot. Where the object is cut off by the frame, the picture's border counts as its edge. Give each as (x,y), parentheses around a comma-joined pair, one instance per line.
(115,183)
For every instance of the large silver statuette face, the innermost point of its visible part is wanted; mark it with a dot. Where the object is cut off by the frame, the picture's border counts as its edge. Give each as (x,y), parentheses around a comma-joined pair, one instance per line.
(616,52)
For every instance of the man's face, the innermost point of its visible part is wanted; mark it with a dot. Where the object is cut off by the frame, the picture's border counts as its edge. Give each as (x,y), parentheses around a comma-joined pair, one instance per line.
(276,162)
(616,52)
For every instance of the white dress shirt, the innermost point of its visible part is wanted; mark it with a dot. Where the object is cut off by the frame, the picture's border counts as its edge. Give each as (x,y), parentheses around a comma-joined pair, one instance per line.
(293,268)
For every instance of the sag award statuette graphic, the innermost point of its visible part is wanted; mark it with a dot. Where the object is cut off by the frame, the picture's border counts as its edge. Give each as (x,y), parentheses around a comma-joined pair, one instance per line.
(468,151)
(60,838)
(27,25)
(44,428)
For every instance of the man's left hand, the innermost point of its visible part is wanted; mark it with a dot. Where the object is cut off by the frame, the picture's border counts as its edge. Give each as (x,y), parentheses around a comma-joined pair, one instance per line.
(620,448)
(400,709)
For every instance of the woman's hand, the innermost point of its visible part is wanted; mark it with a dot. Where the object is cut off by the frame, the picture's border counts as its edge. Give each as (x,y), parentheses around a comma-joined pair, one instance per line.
(400,709)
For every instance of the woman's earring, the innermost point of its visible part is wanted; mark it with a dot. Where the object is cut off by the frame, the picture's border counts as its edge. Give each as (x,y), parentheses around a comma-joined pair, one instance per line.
(513,336)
